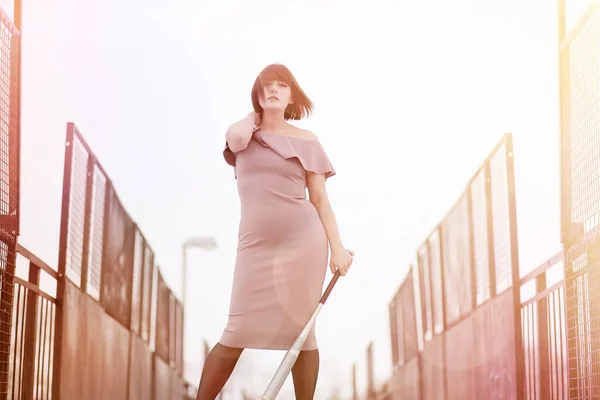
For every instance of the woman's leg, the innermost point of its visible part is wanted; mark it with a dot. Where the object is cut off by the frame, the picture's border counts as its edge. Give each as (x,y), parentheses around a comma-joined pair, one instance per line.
(305,373)
(217,369)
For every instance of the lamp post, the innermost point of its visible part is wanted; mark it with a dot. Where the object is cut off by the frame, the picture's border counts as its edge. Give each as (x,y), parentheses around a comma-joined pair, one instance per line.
(203,243)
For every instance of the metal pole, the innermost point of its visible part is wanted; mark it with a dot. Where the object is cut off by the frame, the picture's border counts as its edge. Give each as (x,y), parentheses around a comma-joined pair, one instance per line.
(204,243)
(183,302)
(18,21)
(183,275)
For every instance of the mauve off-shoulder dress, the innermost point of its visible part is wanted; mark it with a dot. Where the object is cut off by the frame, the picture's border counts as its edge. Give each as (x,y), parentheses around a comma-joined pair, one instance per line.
(283,251)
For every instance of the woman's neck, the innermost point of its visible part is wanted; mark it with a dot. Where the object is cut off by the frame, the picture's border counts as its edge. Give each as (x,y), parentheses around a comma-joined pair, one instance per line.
(273,121)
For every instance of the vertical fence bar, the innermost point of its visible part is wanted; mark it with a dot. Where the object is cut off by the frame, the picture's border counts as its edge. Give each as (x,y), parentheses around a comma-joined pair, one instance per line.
(30,336)
(443,306)
(62,262)
(354,388)
(370,377)
(515,270)
(473,262)
(565,189)
(425,292)
(15,143)
(440,246)
(543,338)
(393,331)
(16,119)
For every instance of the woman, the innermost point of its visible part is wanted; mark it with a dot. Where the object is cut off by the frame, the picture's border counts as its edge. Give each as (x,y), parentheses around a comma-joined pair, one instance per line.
(284,238)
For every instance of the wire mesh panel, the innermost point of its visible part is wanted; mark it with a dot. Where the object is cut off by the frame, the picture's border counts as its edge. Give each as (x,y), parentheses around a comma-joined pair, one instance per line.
(480,236)
(7,314)
(456,236)
(76,181)
(409,320)
(435,258)
(580,184)
(585,127)
(9,128)
(7,270)
(96,239)
(82,236)
(583,318)
(9,185)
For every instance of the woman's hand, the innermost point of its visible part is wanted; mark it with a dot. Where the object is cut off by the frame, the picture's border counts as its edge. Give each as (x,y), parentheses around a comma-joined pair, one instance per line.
(341,260)
(239,133)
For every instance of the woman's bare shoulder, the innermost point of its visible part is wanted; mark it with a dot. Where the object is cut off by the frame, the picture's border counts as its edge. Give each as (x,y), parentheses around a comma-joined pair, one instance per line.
(303,133)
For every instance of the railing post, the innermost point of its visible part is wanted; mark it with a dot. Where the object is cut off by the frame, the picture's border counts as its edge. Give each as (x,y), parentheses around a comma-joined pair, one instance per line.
(30,336)
(542,329)
(515,268)
(354,388)
(370,377)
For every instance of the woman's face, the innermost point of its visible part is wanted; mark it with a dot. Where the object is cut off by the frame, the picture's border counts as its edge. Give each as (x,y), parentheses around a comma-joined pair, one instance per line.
(277,95)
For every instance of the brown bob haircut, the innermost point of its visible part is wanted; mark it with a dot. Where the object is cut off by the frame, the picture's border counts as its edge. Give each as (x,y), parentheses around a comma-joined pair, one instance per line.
(301,107)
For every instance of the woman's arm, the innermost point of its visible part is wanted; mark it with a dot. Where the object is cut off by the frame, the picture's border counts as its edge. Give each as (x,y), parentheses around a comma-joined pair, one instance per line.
(340,257)
(238,135)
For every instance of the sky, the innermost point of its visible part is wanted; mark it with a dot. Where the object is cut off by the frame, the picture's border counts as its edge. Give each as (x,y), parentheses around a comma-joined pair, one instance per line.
(410,98)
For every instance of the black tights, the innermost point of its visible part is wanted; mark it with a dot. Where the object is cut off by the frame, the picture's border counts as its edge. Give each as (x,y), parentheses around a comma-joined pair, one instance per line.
(222,360)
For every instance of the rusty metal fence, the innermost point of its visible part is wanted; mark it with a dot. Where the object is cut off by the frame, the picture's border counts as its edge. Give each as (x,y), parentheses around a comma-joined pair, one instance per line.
(484,332)
(117,316)
(455,322)
(404,336)
(87,329)
(465,325)
(471,371)
(579,71)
